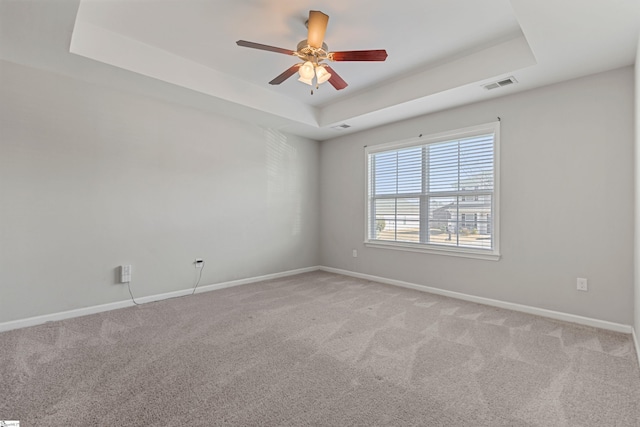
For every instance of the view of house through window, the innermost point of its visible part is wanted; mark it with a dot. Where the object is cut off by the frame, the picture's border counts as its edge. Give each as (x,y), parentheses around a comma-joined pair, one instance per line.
(438,194)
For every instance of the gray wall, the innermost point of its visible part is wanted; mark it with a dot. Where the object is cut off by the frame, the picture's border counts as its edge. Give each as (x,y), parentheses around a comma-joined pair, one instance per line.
(567,200)
(91,178)
(637,198)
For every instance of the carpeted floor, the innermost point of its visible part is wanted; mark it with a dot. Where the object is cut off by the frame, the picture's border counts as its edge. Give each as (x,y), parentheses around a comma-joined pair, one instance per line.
(317,349)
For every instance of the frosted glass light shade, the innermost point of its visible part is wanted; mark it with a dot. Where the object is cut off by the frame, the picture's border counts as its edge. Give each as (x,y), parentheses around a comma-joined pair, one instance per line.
(307,81)
(322,75)
(306,71)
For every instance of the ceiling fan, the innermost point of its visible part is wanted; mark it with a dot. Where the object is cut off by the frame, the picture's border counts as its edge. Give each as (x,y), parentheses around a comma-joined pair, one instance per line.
(313,51)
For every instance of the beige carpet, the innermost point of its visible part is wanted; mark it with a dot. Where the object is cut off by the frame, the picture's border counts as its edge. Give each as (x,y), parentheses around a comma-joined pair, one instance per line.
(317,349)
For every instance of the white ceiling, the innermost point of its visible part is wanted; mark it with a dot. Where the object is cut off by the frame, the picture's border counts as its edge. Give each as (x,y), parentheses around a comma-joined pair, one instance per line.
(441,52)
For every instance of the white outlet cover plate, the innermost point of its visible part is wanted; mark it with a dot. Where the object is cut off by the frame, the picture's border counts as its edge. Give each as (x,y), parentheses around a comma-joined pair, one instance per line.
(582,284)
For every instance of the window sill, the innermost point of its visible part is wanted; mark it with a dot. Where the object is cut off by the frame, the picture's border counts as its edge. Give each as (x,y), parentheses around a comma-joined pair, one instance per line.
(435,250)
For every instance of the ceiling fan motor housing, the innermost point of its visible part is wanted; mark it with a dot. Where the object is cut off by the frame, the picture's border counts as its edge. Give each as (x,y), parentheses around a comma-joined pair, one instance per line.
(309,53)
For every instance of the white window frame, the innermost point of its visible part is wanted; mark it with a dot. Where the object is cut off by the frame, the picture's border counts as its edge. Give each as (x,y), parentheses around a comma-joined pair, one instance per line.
(492,254)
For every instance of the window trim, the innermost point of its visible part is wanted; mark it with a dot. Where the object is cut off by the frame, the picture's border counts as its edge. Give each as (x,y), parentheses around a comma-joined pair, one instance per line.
(434,248)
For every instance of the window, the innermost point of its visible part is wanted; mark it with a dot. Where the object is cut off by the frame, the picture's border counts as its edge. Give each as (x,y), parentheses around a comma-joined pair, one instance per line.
(436,194)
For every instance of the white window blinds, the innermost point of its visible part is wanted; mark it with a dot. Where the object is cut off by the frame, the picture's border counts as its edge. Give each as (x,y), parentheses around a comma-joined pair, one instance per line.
(437,193)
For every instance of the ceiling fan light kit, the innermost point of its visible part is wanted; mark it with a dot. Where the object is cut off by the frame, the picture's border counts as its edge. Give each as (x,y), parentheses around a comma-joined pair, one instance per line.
(312,51)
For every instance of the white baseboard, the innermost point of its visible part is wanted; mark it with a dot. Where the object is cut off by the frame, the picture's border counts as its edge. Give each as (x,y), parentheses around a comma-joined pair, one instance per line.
(254,279)
(557,315)
(602,324)
(635,341)
(37,320)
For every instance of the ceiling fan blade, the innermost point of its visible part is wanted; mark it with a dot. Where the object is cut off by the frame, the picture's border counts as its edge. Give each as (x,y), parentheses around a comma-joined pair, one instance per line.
(335,80)
(359,55)
(284,76)
(317,26)
(253,45)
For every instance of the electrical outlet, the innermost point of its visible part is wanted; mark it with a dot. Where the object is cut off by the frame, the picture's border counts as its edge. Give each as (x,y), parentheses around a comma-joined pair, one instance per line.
(199,262)
(125,273)
(355,253)
(582,284)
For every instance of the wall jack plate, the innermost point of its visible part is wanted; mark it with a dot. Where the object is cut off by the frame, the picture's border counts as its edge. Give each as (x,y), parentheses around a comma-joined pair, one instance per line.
(199,262)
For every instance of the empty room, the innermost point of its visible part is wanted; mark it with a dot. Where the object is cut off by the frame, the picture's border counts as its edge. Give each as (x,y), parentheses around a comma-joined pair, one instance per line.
(295,213)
